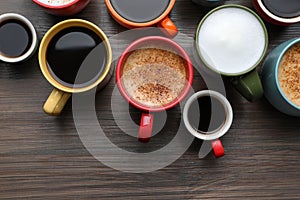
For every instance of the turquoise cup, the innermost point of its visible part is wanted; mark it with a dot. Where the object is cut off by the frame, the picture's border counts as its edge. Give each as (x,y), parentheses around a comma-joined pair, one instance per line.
(272,89)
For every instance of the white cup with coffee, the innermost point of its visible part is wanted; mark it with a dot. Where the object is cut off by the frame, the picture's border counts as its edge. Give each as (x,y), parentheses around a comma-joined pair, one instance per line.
(208,116)
(18,38)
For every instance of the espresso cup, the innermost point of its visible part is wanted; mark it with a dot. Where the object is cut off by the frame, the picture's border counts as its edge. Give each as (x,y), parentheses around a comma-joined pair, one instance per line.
(18,38)
(153,74)
(209,3)
(143,13)
(280,77)
(279,12)
(62,7)
(208,115)
(70,47)
(232,40)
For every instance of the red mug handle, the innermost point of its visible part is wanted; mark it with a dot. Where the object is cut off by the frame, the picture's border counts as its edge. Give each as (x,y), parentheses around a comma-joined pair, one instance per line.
(218,148)
(145,129)
(168,27)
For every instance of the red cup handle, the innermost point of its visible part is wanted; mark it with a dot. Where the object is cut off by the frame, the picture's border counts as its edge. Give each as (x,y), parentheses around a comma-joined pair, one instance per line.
(145,129)
(168,27)
(218,148)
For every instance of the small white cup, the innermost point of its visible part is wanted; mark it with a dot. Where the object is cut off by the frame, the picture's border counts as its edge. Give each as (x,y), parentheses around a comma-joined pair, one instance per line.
(212,135)
(33,45)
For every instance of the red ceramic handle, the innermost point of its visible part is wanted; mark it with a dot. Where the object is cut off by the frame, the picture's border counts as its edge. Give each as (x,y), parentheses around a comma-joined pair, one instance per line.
(218,148)
(145,127)
(168,27)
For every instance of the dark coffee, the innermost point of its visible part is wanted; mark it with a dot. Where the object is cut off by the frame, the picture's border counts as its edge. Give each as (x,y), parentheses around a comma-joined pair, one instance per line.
(140,10)
(67,52)
(15,38)
(283,8)
(206,114)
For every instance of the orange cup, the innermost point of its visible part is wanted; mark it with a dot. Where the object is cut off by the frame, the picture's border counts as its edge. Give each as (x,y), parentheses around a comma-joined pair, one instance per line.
(162,21)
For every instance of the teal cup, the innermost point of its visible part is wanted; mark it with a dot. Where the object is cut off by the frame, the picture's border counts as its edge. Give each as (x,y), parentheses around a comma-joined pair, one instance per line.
(272,89)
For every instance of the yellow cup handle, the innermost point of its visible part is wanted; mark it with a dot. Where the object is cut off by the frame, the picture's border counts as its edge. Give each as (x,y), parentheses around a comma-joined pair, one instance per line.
(56,102)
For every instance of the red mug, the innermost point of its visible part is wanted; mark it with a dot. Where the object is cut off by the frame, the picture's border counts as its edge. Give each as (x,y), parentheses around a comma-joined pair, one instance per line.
(146,122)
(272,14)
(65,9)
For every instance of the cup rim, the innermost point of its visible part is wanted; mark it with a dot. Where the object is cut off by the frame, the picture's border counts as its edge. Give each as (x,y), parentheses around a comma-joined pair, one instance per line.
(33,46)
(232,6)
(218,132)
(49,36)
(293,42)
(55,6)
(275,17)
(127,22)
(129,49)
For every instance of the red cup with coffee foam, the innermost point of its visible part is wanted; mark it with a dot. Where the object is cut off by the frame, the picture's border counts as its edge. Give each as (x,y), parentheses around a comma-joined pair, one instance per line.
(62,7)
(153,74)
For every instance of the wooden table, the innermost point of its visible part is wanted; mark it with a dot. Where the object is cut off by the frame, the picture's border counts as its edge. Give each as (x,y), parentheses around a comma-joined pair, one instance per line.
(42,157)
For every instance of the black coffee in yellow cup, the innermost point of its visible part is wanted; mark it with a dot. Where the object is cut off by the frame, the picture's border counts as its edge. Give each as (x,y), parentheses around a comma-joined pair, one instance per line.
(65,49)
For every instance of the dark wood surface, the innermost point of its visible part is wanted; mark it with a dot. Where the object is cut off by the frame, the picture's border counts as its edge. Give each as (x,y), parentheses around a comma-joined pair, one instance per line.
(42,157)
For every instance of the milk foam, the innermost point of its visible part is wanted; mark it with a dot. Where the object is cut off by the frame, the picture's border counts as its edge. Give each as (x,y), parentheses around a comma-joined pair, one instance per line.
(231,40)
(56,2)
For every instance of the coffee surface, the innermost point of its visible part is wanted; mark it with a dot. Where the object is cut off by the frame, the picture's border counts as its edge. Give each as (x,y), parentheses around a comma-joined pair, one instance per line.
(231,40)
(206,114)
(15,38)
(289,74)
(140,10)
(283,8)
(154,77)
(69,49)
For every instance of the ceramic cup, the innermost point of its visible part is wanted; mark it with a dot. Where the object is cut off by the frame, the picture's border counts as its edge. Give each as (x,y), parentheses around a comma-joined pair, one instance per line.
(271,83)
(143,13)
(167,45)
(278,12)
(219,124)
(62,7)
(62,91)
(224,47)
(29,35)
(209,3)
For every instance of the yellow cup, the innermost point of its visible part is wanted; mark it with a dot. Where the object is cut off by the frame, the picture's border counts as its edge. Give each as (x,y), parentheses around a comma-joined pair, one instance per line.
(61,93)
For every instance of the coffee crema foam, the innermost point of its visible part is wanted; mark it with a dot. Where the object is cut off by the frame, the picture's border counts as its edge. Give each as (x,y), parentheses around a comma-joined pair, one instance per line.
(289,74)
(154,77)
(56,2)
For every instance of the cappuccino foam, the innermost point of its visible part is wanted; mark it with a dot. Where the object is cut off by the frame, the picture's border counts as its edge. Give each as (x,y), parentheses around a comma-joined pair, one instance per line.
(231,40)
(289,74)
(154,77)
(56,2)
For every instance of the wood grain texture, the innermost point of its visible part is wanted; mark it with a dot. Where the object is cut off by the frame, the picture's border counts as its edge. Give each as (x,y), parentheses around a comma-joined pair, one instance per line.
(42,157)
